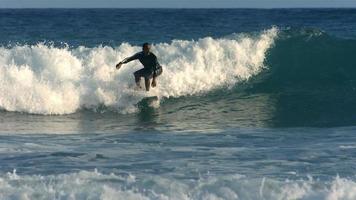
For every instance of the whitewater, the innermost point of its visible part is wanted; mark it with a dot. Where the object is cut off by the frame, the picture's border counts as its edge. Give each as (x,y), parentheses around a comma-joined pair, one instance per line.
(89,185)
(43,79)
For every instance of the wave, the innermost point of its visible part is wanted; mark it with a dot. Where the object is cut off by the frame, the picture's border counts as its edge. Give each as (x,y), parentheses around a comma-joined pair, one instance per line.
(95,185)
(311,76)
(310,56)
(44,79)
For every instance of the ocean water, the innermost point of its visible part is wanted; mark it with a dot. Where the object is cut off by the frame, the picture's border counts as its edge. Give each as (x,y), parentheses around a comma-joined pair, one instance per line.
(253,104)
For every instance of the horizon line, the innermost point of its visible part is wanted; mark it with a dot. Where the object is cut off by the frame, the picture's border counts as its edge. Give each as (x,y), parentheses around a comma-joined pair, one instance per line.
(259,8)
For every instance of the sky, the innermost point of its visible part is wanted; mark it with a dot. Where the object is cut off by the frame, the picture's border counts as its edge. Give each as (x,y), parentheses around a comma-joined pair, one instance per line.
(175,3)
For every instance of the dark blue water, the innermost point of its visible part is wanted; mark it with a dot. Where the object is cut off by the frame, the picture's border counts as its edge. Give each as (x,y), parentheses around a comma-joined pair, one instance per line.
(92,27)
(253,104)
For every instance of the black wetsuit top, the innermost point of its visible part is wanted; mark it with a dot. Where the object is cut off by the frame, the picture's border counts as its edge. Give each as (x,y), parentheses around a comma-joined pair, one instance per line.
(148,61)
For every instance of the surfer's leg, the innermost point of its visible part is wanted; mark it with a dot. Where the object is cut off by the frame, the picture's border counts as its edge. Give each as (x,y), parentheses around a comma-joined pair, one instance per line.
(137,80)
(147,84)
(138,75)
(154,83)
(147,74)
(155,75)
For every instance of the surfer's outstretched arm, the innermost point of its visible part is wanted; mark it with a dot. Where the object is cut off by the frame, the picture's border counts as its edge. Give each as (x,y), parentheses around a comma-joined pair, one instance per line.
(126,60)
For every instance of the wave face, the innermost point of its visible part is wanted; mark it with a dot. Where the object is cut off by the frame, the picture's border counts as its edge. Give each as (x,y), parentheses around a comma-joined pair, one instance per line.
(311,56)
(43,79)
(311,76)
(95,185)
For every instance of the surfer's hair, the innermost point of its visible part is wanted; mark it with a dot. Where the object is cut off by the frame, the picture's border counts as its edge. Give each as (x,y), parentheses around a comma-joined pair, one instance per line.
(145,44)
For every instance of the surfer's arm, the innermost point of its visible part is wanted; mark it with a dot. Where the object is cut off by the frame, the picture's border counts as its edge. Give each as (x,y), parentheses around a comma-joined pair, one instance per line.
(126,60)
(129,59)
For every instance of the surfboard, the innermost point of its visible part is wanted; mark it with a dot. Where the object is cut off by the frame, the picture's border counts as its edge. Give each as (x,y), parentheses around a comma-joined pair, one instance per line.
(148,101)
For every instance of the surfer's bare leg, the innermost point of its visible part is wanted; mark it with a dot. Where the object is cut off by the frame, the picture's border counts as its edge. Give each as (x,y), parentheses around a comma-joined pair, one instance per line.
(137,80)
(155,75)
(154,83)
(147,84)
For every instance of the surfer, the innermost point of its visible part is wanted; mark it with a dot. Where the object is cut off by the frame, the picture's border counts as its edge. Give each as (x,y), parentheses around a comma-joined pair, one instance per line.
(151,67)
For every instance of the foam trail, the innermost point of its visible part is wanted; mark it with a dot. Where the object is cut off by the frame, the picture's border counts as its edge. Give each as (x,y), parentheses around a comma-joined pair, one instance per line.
(47,80)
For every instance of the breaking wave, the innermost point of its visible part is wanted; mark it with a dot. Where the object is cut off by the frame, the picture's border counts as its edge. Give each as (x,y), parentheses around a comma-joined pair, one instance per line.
(44,79)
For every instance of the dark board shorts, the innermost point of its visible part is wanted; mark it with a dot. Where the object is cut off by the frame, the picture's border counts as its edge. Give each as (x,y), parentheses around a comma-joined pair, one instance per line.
(147,73)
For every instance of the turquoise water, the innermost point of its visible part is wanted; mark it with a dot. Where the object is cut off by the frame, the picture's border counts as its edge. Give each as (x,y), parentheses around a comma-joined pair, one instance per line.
(253,104)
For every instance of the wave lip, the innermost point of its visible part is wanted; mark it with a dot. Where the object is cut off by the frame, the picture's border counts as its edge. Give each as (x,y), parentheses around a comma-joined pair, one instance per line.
(44,79)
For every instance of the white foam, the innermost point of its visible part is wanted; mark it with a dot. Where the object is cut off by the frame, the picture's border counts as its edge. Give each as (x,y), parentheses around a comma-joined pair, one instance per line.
(47,80)
(96,185)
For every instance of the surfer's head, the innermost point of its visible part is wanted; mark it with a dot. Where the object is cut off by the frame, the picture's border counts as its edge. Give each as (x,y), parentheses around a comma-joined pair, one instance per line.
(146,48)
